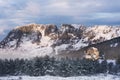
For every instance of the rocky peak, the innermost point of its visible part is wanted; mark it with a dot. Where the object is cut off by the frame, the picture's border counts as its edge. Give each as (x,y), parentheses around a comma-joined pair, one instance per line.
(69,31)
(43,29)
(35,33)
(76,36)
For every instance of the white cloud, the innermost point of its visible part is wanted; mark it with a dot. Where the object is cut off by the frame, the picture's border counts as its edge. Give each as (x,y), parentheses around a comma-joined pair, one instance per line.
(29,11)
(2,29)
(32,8)
(71,8)
(3,3)
(5,25)
(106,15)
(26,14)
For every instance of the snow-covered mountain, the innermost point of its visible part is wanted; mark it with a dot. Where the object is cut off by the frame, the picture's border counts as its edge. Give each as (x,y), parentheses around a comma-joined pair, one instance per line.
(40,40)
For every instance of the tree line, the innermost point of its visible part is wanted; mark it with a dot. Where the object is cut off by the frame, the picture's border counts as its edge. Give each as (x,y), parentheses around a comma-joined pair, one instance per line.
(41,66)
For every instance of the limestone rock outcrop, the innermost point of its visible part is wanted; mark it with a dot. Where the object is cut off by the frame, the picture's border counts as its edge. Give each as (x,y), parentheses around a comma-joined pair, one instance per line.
(92,53)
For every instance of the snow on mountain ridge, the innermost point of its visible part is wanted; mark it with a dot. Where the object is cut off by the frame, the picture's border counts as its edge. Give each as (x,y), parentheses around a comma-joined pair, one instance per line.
(102,33)
(39,39)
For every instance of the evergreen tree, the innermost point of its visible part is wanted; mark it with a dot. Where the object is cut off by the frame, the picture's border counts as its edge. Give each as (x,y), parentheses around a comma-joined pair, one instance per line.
(50,66)
(96,66)
(19,66)
(63,69)
(87,67)
(103,67)
(39,67)
(110,67)
(29,67)
(7,67)
(1,67)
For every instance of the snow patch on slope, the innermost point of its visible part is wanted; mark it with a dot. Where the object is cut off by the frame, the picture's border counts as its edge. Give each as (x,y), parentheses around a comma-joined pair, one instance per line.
(79,45)
(26,50)
(60,48)
(114,45)
(103,32)
(25,53)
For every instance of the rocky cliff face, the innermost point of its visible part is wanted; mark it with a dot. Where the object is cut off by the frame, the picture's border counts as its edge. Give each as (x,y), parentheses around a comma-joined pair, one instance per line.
(41,40)
(33,32)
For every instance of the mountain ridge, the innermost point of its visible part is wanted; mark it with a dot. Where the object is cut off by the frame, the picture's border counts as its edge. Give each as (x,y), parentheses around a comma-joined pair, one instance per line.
(50,40)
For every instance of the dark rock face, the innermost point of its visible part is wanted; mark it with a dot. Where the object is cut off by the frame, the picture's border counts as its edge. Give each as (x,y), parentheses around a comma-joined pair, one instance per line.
(109,49)
(69,34)
(14,34)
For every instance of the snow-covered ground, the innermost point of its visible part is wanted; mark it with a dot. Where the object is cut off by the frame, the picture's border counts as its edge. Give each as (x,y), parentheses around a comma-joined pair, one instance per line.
(94,77)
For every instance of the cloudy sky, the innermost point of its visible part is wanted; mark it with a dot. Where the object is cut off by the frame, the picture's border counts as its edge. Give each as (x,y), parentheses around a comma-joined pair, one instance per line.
(19,12)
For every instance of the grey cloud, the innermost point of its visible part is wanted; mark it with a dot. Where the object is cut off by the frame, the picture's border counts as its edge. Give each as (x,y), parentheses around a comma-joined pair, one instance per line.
(20,12)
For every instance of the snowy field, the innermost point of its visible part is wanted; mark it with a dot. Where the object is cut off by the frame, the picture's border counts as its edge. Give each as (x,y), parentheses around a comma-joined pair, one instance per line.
(95,77)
